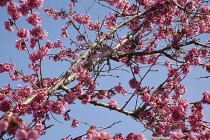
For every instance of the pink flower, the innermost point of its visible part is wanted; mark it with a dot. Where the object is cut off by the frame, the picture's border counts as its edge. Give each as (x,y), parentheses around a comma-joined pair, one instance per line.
(81,18)
(95,135)
(13,11)
(109,22)
(133,136)
(58,107)
(14,76)
(66,115)
(134,83)
(94,26)
(136,70)
(21,134)
(4,125)
(206,98)
(86,98)
(58,44)
(29,78)
(49,44)
(33,42)
(120,89)
(38,33)
(39,128)
(20,44)
(204,9)
(176,135)
(35,67)
(80,37)
(113,104)
(8,26)
(133,24)
(35,4)
(185,68)
(168,63)
(3,3)
(34,19)
(6,67)
(33,135)
(24,9)
(75,123)
(64,32)
(22,33)
(101,95)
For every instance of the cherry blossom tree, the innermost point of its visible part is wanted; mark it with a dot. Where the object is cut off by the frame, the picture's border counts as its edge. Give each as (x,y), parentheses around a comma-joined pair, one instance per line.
(114,52)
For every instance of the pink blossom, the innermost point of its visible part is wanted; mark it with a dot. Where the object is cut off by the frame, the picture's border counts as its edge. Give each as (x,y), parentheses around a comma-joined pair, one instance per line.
(37,4)
(4,125)
(55,14)
(38,33)
(113,104)
(101,95)
(134,83)
(22,33)
(39,55)
(164,33)
(123,5)
(80,37)
(3,3)
(94,26)
(191,6)
(58,107)
(185,68)
(49,44)
(133,136)
(64,32)
(35,67)
(29,78)
(39,128)
(204,9)
(24,9)
(133,24)
(132,9)
(42,94)
(21,134)
(206,98)
(100,135)
(120,89)
(176,135)
(58,44)
(81,18)
(34,19)
(192,137)
(205,53)
(20,44)
(136,70)
(8,26)
(33,135)
(141,59)
(13,11)
(75,123)
(168,63)
(109,22)
(112,2)
(208,68)
(33,42)
(86,98)
(6,67)
(66,115)
(14,76)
